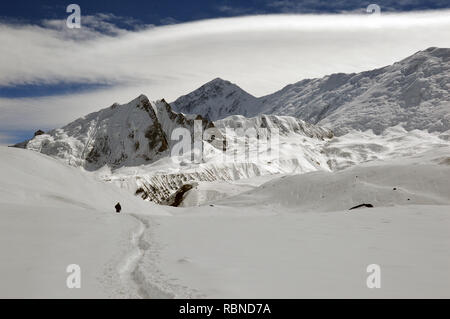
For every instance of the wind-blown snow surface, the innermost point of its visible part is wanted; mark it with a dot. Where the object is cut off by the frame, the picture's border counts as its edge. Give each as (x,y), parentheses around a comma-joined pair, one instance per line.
(413,92)
(51,216)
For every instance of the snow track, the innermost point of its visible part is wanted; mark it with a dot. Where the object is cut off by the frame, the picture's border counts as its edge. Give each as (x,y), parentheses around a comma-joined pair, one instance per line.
(130,272)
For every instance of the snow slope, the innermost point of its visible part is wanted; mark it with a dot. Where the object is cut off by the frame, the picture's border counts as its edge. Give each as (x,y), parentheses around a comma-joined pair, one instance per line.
(405,181)
(413,92)
(358,147)
(294,237)
(53,215)
(337,153)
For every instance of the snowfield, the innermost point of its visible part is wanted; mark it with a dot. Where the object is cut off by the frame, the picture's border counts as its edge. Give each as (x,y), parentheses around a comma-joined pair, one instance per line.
(289,237)
(294,237)
(278,254)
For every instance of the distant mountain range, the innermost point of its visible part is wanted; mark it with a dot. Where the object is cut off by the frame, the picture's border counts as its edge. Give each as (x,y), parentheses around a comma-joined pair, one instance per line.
(414,92)
(134,140)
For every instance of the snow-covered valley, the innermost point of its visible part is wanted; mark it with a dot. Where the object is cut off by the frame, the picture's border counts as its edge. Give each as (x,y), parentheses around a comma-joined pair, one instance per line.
(290,237)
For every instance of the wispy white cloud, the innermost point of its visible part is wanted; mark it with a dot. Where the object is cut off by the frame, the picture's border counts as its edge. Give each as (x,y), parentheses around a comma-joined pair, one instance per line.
(259,53)
(94,26)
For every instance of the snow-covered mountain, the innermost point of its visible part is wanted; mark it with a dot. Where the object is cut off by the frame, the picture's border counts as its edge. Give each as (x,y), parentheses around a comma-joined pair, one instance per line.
(129,145)
(131,134)
(414,92)
(218,99)
(132,142)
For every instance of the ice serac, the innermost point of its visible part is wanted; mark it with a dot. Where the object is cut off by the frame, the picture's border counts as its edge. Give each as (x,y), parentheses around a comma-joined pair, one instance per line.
(217,99)
(131,134)
(414,92)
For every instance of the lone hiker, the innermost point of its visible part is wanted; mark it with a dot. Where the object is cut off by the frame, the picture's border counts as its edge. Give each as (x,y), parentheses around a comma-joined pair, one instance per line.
(118,208)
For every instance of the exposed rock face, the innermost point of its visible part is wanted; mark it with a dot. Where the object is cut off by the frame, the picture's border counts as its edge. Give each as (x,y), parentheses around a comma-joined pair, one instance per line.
(176,198)
(361,206)
(25,143)
(158,187)
(132,134)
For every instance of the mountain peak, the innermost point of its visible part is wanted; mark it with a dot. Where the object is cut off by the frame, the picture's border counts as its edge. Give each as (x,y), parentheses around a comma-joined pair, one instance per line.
(439,52)
(431,52)
(219,84)
(218,81)
(217,99)
(137,101)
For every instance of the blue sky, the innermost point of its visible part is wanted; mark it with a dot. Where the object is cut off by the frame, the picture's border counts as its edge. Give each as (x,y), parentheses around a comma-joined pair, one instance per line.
(173,11)
(39,85)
